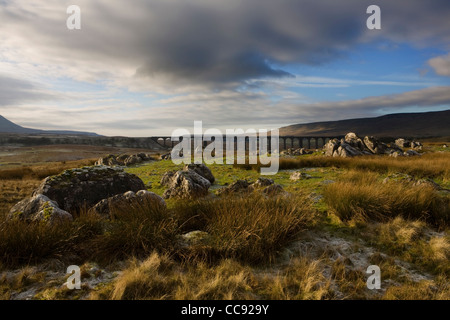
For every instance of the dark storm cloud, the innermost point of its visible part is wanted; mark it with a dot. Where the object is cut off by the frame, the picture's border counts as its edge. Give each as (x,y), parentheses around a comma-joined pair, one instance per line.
(185,42)
(234,41)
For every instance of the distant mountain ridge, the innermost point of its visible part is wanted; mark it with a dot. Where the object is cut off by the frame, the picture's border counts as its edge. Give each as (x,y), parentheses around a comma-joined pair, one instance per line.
(411,125)
(7,126)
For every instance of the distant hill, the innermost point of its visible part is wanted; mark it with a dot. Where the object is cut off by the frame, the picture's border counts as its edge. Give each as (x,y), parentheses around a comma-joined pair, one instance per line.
(7,126)
(408,125)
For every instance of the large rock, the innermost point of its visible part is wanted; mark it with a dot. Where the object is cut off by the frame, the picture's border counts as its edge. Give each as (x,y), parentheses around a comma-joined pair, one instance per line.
(38,208)
(331,146)
(416,145)
(262,182)
(345,150)
(352,146)
(128,199)
(374,145)
(265,185)
(354,141)
(109,160)
(76,188)
(202,170)
(185,185)
(402,143)
(410,153)
(166,179)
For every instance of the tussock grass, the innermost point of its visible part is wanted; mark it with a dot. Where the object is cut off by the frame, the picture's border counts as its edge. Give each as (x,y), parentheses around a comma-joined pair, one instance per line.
(351,283)
(159,277)
(303,279)
(363,196)
(251,229)
(135,230)
(409,240)
(23,243)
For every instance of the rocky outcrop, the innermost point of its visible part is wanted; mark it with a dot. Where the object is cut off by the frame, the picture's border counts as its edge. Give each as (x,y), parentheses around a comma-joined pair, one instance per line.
(354,141)
(142,198)
(265,185)
(76,188)
(262,182)
(38,208)
(239,186)
(123,159)
(185,185)
(352,146)
(403,143)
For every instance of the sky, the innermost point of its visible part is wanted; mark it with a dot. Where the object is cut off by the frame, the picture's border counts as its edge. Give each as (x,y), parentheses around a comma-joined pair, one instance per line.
(144,68)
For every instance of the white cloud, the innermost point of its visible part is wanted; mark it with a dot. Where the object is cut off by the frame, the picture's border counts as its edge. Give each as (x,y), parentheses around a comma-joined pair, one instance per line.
(441,65)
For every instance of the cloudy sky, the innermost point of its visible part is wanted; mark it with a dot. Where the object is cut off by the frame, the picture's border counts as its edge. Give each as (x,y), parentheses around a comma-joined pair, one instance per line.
(140,68)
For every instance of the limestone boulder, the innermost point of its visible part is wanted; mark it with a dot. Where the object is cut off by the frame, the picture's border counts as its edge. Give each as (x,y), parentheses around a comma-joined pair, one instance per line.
(186,185)
(39,208)
(84,187)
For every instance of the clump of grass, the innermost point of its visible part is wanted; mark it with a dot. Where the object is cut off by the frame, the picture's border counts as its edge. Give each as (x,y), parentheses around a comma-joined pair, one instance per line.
(362,196)
(409,241)
(135,229)
(160,277)
(23,243)
(303,279)
(350,282)
(398,234)
(251,229)
(437,289)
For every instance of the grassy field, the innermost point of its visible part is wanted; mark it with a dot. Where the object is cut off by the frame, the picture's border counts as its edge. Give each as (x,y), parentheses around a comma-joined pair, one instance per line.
(314,242)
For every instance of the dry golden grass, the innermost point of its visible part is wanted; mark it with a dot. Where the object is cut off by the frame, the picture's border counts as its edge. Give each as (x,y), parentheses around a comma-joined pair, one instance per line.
(362,196)
(135,230)
(409,241)
(438,289)
(159,277)
(428,165)
(32,172)
(303,279)
(251,229)
(12,191)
